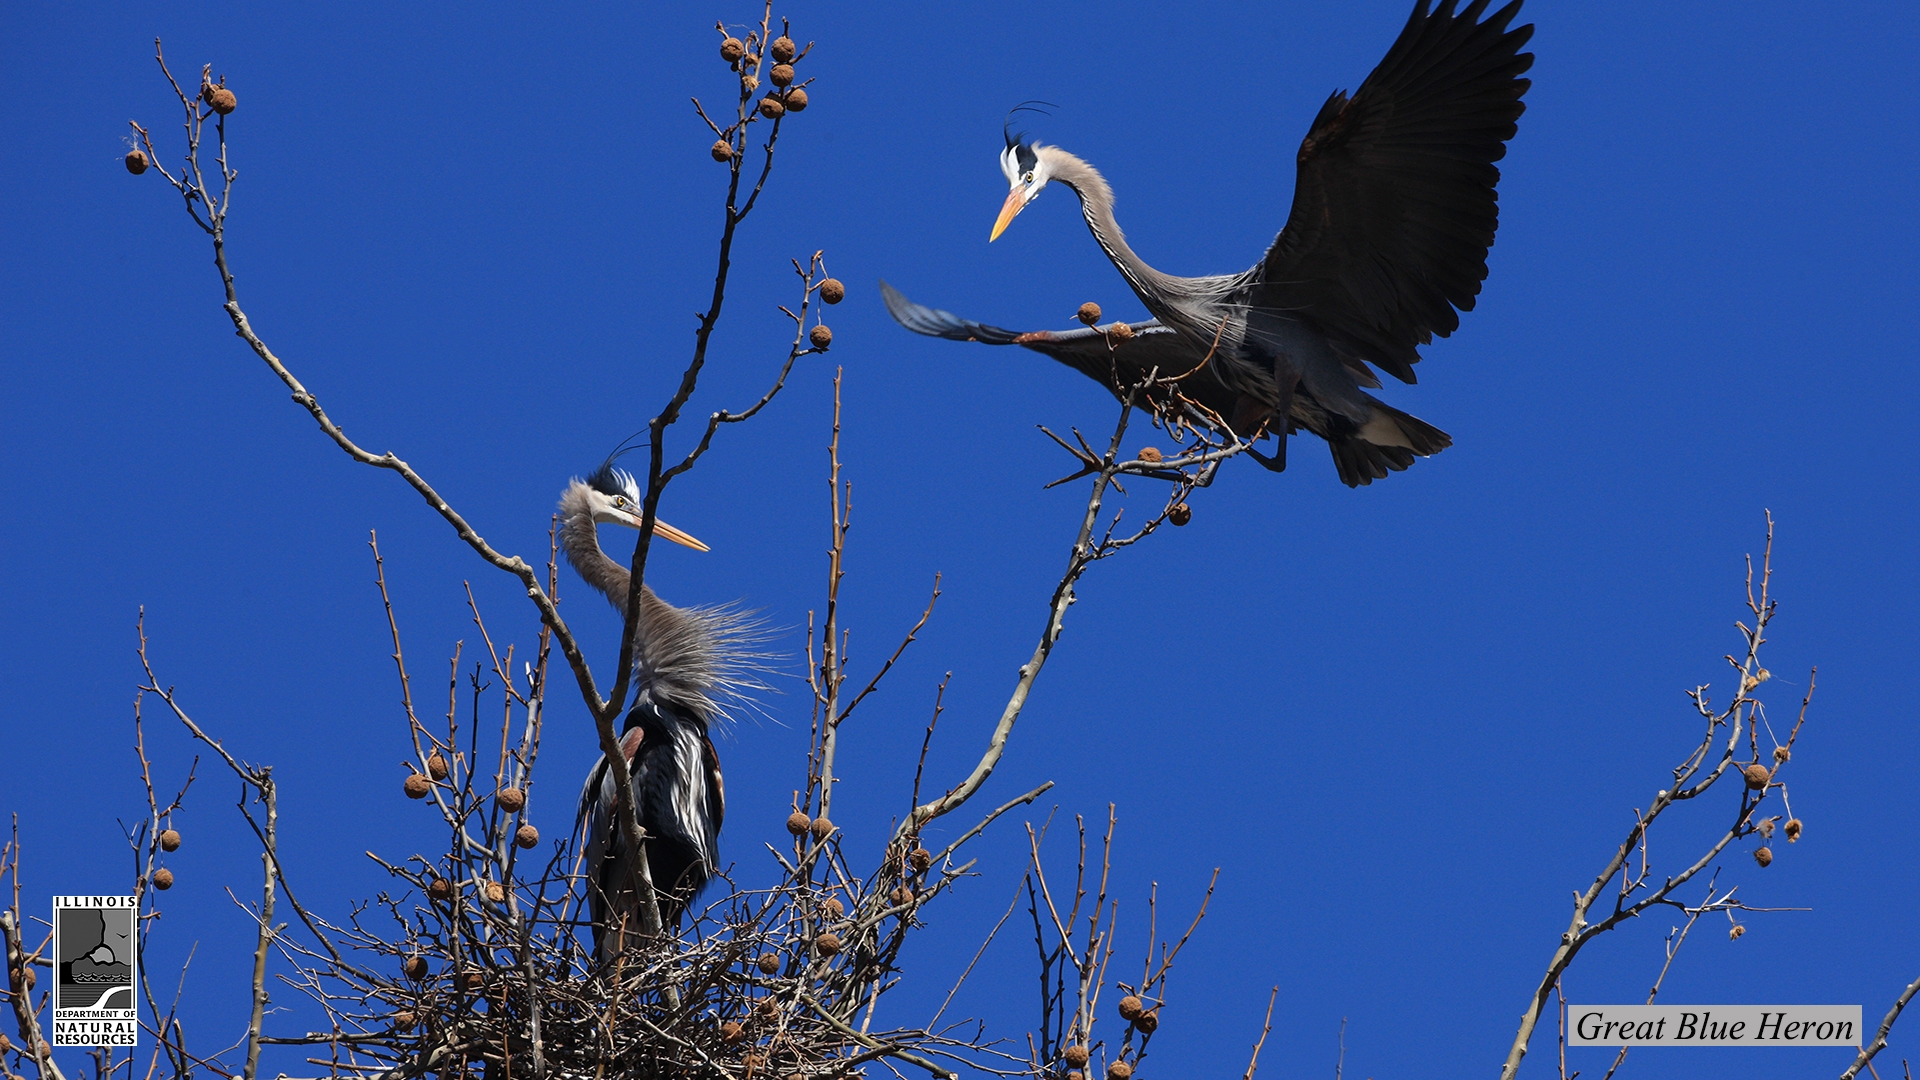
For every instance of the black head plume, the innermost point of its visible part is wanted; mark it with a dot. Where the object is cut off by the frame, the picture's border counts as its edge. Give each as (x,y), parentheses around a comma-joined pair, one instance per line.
(1006,128)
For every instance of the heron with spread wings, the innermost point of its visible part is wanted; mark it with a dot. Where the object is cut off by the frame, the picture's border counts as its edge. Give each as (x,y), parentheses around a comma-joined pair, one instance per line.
(1394,210)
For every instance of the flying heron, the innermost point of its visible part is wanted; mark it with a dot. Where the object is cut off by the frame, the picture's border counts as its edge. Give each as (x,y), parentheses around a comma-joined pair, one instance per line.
(1394,210)
(685,660)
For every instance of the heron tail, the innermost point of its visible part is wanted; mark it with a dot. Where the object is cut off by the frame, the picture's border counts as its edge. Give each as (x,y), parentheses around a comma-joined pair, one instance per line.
(1388,442)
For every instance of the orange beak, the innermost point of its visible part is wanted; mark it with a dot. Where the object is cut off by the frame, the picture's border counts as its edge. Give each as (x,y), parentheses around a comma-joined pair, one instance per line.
(666,531)
(1016,202)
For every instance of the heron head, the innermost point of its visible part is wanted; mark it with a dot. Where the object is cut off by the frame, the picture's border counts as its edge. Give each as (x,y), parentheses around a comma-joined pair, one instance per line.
(613,498)
(1027,172)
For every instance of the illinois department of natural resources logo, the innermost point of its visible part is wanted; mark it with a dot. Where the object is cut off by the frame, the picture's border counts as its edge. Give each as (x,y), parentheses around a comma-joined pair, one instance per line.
(95,957)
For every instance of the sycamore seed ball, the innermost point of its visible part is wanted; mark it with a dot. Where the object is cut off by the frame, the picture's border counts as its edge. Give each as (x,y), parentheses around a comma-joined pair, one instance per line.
(820,336)
(416,786)
(415,967)
(1180,514)
(1764,856)
(833,907)
(1089,313)
(782,49)
(732,1032)
(772,107)
(1131,1008)
(1150,453)
(526,836)
(403,1021)
(832,291)
(162,880)
(496,892)
(1757,776)
(222,100)
(1119,1070)
(769,964)
(1075,1056)
(136,162)
(821,826)
(827,944)
(722,150)
(169,840)
(1734,934)
(901,896)
(512,799)
(1781,754)
(731,50)
(798,823)
(1148,1022)
(796,100)
(782,74)
(1792,828)
(1120,332)
(440,888)
(749,82)
(436,766)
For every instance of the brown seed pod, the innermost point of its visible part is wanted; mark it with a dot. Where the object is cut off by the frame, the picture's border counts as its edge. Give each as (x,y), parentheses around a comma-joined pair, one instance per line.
(471,980)
(440,888)
(821,827)
(1131,1008)
(827,944)
(1089,313)
(1148,1022)
(1120,332)
(1076,1074)
(732,49)
(512,799)
(722,150)
(1757,776)
(221,99)
(1075,1056)
(417,786)
(162,880)
(772,107)
(1180,514)
(526,836)
(1792,828)
(1151,454)
(798,823)
(403,1021)
(1781,754)
(1119,1070)
(6,1044)
(169,840)
(28,977)
(731,1032)
(136,162)
(832,291)
(833,907)
(767,1009)
(796,99)
(901,896)
(750,83)
(782,74)
(45,1048)
(437,766)
(415,967)
(920,858)
(1734,934)
(769,963)
(781,50)
(1763,856)
(496,892)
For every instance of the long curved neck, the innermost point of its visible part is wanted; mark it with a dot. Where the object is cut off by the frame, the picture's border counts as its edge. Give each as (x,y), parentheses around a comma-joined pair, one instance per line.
(1096,205)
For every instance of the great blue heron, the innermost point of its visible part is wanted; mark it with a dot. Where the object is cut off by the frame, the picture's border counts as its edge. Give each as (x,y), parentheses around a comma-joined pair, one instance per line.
(685,659)
(1394,209)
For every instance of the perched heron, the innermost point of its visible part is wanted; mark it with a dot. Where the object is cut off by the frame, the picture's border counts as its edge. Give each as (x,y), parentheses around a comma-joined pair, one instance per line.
(685,660)
(1394,210)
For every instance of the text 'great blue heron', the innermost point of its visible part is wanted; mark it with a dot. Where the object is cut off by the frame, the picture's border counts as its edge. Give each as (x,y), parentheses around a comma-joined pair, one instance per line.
(1394,209)
(685,660)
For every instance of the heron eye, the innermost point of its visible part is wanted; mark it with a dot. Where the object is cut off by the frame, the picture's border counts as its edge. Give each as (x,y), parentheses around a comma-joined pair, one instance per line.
(619,502)
(1028,179)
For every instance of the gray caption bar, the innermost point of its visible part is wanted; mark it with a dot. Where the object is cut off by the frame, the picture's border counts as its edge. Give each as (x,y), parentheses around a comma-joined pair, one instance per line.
(1713,1025)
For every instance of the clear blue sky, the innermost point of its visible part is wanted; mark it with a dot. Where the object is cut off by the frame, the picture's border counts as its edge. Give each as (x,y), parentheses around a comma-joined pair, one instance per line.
(1407,721)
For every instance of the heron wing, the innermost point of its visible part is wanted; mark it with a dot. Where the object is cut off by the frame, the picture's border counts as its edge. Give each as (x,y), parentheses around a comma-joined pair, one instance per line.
(1394,205)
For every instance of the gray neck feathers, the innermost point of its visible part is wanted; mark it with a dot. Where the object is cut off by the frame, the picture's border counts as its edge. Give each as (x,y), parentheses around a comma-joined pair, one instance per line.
(1192,305)
(695,658)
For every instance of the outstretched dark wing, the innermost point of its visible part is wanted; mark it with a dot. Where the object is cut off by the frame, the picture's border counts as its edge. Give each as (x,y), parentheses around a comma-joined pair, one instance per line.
(1394,206)
(1086,349)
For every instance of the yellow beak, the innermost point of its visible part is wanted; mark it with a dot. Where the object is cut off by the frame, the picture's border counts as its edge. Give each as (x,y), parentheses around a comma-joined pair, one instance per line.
(662,529)
(1016,202)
